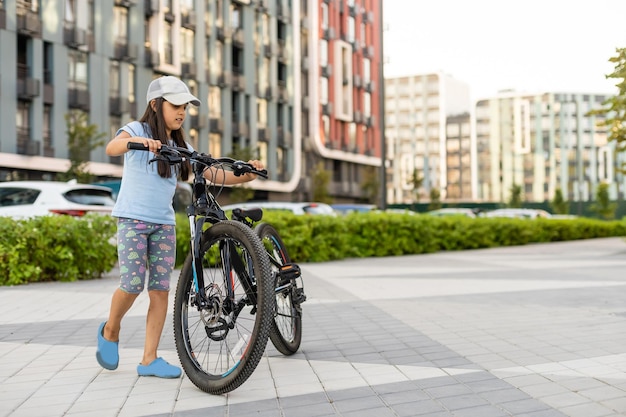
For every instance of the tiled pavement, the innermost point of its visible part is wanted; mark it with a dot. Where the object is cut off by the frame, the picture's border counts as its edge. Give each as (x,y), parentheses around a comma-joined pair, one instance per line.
(533,331)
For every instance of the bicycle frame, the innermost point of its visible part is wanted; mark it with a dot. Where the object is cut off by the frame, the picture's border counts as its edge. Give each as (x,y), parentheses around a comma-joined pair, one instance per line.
(204,207)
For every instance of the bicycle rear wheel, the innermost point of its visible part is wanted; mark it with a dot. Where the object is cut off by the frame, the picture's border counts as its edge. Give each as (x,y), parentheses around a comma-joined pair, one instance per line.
(220,344)
(286,329)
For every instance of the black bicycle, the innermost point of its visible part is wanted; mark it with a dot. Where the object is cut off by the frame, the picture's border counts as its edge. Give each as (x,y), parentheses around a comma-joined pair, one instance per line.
(225,307)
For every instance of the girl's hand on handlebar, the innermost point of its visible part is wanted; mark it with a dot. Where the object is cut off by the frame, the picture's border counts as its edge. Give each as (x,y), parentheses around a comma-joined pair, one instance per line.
(258,165)
(152,144)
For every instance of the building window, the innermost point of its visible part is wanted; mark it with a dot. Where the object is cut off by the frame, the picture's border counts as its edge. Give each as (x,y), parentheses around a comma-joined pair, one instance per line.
(215,102)
(236,17)
(168,45)
(47,62)
(131,84)
(77,67)
(120,24)
(48,142)
(114,79)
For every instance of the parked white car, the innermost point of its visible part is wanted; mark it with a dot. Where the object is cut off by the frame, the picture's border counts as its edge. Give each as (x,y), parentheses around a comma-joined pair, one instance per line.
(24,199)
(518,213)
(295,208)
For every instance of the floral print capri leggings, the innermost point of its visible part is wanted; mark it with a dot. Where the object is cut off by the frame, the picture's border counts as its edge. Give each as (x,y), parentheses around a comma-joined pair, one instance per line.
(141,244)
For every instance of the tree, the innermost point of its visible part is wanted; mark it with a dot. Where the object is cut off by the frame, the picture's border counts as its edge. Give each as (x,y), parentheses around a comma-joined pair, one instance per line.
(371,184)
(416,182)
(602,205)
(241,193)
(82,138)
(558,204)
(515,199)
(614,108)
(435,199)
(321,179)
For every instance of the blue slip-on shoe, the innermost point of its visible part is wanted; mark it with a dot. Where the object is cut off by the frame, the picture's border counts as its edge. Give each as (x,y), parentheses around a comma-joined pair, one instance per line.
(159,368)
(107,354)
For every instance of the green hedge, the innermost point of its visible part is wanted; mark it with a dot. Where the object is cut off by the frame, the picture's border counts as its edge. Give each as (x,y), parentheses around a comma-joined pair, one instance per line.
(67,249)
(56,248)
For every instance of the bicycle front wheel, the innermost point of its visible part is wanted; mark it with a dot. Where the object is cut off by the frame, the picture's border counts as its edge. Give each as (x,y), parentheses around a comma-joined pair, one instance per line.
(286,329)
(221,339)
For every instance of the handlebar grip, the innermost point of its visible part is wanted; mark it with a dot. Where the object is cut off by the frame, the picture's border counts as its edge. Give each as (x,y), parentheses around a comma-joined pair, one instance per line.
(137,146)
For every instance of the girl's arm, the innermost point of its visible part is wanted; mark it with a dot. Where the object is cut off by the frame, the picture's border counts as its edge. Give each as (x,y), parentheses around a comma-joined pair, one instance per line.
(220,176)
(119,144)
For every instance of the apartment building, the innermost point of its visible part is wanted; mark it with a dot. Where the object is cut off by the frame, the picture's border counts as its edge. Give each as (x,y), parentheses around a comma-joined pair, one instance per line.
(256,65)
(343,98)
(541,143)
(427,135)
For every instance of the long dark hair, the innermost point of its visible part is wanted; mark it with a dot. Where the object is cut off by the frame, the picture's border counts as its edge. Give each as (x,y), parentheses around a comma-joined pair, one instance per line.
(154,120)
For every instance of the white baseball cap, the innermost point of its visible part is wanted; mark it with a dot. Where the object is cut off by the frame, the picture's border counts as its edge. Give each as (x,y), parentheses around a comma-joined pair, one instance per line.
(171,89)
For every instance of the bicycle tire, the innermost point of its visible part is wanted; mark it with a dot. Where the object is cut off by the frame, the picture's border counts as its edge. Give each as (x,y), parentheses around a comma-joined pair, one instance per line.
(218,348)
(286,328)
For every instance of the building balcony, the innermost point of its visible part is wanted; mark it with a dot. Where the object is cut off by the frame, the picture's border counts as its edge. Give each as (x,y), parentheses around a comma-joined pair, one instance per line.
(28,23)
(283,95)
(124,51)
(240,129)
(197,121)
(48,93)
(224,79)
(328,34)
(264,92)
(151,7)
(262,6)
(188,70)
(188,20)
(327,70)
(223,33)
(239,82)
(78,98)
(282,50)
(238,37)
(216,125)
(284,138)
(29,147)
(282,12)
(152,59)
(27,88)
(262,134)
(327,109)
(3,19)
(125,3)
(74,37)
(118,106)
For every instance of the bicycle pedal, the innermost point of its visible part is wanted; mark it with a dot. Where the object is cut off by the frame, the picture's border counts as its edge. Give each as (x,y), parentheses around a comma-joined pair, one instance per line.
(298,296)
(289,271)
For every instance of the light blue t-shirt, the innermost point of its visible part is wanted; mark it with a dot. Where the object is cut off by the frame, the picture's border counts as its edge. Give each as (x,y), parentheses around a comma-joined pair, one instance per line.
(144,195)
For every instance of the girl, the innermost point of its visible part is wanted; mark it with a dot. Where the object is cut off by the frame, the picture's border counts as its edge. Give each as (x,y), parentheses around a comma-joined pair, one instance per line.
(146,221)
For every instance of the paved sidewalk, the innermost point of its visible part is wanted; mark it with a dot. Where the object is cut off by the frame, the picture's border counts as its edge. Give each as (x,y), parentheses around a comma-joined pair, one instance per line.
(532,331)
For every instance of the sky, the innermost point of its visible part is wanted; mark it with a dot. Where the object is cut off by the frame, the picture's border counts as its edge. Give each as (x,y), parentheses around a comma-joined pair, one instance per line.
(492,45)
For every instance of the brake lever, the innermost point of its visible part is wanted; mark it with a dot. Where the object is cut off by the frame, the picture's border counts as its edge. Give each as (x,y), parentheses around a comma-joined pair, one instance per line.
(168,159)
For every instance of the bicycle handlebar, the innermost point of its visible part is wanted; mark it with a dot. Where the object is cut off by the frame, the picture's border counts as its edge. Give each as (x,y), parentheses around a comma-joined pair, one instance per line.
(177,154)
